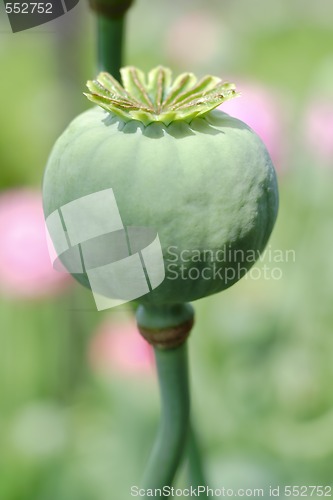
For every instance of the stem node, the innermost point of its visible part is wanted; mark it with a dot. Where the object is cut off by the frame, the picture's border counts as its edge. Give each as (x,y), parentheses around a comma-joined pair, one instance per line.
(165,327)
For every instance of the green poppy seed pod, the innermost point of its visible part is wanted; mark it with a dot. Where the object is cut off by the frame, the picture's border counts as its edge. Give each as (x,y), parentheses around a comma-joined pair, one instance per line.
(185,195)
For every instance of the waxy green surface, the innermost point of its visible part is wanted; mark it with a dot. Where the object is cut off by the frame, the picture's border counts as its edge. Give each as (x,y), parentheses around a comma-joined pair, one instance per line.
(204,185)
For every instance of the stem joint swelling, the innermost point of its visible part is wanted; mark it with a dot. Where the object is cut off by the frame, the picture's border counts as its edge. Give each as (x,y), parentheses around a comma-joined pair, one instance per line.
(169,338)
(165,327)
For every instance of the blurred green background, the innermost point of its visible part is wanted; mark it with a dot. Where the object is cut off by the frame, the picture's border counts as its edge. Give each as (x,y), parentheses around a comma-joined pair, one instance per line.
(72,428)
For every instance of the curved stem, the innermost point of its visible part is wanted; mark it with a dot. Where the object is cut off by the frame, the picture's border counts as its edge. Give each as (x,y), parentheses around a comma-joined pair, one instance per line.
(167,327)
(110,44)
(196,474)
(172,434)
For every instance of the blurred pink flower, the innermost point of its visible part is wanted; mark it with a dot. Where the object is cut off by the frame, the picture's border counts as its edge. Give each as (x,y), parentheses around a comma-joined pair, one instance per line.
(193,39)
(117,347)
(25,266)
(259,108)
(318,130)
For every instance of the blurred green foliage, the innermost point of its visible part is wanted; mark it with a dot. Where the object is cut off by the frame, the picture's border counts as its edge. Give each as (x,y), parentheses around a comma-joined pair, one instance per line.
(261,352)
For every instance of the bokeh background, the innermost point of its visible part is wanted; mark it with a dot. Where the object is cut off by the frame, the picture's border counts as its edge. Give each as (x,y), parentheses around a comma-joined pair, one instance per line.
(79,401)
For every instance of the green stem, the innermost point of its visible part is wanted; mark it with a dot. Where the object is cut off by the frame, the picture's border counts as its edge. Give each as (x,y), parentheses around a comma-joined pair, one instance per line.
(167,327)
(110,44)
(196,473)
(172,434)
